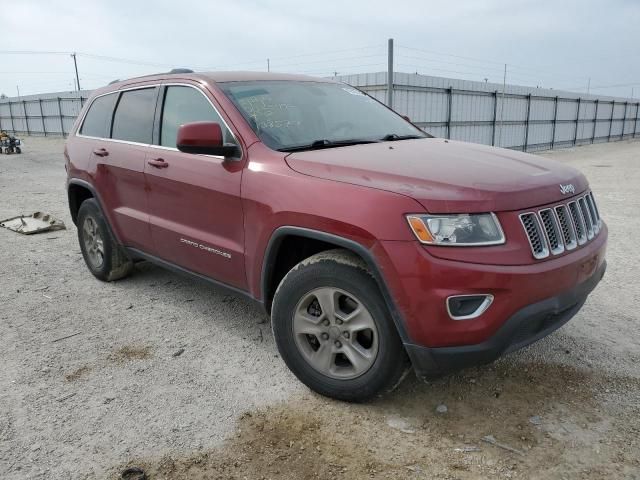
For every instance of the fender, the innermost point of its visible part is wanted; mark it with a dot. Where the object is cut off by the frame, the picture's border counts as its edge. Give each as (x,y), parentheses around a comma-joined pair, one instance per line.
(96,196)
(268,265)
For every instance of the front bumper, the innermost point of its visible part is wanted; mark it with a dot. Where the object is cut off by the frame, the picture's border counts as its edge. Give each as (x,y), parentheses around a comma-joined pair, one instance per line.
(526,326)
(419,284)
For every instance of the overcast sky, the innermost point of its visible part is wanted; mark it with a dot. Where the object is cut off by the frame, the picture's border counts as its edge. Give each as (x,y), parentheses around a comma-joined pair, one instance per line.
(549,43)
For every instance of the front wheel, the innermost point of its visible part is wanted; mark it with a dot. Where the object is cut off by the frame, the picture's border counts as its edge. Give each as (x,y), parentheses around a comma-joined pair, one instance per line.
(333,329)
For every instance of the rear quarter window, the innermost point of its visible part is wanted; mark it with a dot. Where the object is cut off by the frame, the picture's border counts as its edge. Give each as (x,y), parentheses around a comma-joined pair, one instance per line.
(98,119)
(133,119)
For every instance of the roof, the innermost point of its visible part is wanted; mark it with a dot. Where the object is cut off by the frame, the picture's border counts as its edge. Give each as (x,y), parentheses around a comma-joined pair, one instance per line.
(215,77)
(259,76)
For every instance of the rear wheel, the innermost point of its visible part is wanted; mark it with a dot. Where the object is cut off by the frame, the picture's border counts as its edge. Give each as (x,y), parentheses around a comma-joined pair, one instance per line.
(105,259)
(333,329)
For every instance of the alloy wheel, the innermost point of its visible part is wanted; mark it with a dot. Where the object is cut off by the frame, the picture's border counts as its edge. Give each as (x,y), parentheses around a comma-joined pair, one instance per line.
(335,333)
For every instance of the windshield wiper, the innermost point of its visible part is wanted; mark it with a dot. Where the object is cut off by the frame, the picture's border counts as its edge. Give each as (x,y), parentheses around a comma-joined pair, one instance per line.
(324,143)
(391,137)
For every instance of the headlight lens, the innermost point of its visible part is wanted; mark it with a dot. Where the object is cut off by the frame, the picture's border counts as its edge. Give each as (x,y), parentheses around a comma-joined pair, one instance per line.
(462,230)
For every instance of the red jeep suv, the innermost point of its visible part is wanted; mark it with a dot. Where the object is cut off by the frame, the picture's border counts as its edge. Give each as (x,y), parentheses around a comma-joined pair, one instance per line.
(374,246)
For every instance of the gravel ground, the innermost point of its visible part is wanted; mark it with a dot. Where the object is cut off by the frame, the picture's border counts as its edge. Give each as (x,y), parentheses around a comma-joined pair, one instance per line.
(116,395)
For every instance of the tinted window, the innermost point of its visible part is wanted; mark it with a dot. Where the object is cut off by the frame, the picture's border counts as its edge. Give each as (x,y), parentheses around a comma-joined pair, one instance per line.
(184,105)
(98,119)
(133,120)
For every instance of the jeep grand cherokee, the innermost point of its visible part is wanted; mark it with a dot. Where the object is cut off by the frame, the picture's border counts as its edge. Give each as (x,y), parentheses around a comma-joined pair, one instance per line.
(374,247)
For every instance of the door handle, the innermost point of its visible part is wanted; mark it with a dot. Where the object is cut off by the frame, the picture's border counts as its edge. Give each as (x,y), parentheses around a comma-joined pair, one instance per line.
(101,152)
(158,163)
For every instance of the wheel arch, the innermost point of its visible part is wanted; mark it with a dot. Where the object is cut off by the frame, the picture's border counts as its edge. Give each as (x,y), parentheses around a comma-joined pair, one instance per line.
(80,190)
(272,253)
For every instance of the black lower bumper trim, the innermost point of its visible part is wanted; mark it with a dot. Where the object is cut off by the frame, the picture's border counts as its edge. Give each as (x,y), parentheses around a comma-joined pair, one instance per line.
(526,326)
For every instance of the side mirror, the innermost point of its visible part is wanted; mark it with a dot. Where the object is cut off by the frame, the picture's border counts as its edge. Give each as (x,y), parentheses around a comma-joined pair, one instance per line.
(205,138)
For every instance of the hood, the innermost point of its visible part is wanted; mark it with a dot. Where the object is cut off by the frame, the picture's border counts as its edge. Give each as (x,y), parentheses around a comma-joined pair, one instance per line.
(445,176)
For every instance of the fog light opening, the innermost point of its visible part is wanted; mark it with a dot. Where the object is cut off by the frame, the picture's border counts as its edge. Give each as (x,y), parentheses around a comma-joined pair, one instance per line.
(467,307)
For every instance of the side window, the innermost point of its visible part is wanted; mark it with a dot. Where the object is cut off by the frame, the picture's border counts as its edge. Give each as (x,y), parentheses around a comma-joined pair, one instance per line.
(97,121)
(184,105)
(133,120)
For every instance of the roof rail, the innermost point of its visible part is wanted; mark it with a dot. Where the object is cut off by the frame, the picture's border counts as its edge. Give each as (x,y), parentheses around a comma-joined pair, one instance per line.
(174,70)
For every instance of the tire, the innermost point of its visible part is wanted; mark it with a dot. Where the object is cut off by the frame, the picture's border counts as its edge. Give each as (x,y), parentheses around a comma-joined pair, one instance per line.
(350,353)
(105,259)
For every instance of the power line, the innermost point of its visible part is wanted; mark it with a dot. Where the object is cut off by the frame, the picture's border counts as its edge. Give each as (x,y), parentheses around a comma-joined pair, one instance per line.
(332,60)
(32,52)
(537,71)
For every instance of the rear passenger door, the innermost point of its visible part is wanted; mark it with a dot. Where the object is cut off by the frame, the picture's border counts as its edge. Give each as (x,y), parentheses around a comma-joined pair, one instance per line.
(195,207)
(119,160)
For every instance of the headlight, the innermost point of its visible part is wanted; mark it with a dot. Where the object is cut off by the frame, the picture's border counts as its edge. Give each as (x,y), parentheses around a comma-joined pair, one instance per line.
(475,229)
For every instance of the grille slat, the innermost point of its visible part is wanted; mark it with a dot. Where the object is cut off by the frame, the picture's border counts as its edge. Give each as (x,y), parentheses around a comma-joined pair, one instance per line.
(566,227)
(595,208)
(534,234)
(587,217)
(578,222)
(553,230)
(592,210)
(556,244)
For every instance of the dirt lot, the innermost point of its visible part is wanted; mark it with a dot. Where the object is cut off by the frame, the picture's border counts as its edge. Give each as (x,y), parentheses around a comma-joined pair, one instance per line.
(115,395)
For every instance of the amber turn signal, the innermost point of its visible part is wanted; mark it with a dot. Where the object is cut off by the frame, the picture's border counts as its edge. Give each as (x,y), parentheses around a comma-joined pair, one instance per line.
(420,229)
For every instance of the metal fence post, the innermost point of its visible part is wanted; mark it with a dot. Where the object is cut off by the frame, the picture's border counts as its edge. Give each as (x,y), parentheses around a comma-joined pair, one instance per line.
(575,134)
(555,121)
(495,117)
(526,124)
(13,127)
(26,117)
(449,112)
(635,124)
(595,122)
(60,113)
(613,107)
(44,127)
(624,120)
(390,74)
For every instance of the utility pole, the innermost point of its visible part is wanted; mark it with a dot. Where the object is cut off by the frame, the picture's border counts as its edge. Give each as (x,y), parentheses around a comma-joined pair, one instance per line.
(268,65)
(504,86)
(18,90)
(75,64)
(390,74)
(588,85)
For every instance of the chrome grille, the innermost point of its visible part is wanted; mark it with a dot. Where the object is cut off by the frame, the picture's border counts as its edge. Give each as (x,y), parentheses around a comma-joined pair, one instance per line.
(566,227)
(550,224)
(553,230)
(534,234)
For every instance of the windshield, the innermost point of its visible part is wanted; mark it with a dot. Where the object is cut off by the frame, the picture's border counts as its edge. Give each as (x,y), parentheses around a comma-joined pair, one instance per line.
(290,115)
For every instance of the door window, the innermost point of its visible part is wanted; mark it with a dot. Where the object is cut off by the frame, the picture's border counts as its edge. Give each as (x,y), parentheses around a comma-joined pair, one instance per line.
(133,120)
(184,105)
(98,119)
